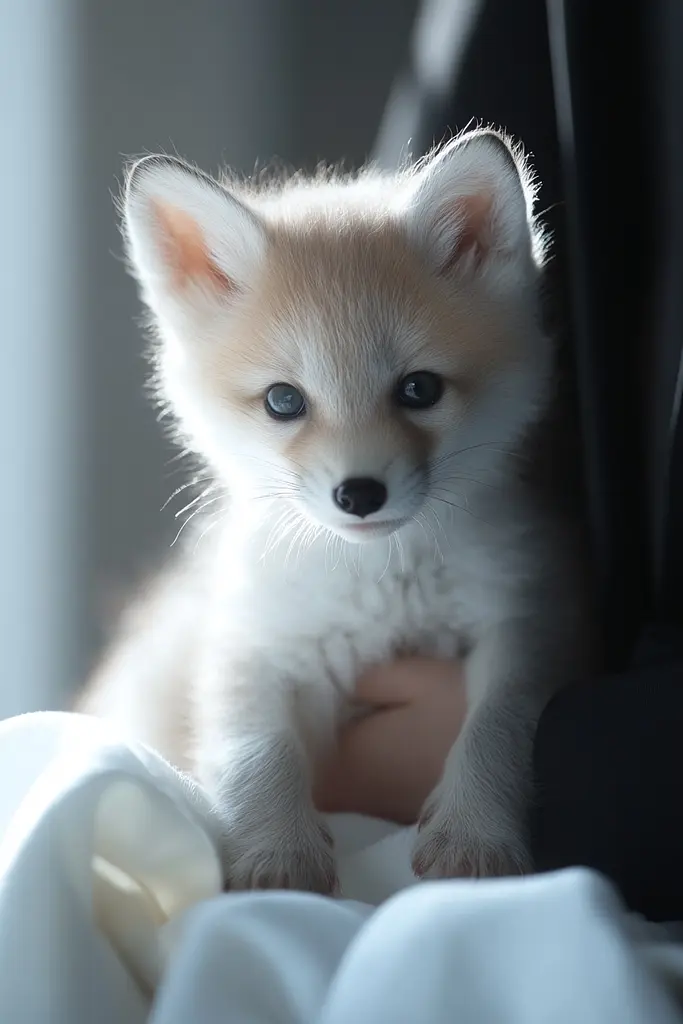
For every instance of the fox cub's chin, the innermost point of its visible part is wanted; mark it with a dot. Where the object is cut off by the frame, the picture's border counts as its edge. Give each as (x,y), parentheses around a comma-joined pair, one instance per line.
(357,359)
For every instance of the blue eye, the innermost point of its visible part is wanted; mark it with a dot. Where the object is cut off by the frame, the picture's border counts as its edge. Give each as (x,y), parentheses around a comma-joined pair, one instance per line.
(419,390)
(285,402)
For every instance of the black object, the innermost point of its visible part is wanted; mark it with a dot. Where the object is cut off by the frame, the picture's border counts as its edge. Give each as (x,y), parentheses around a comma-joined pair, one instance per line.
(360,496)
(609,758)
(596,95)
(609,767)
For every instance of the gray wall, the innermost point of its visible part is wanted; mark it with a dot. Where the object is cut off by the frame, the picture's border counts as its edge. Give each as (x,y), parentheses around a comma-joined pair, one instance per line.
(228,82)
(41,381)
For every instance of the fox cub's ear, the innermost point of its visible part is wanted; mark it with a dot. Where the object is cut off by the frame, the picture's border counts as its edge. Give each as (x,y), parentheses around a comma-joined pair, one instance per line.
(469,209)
(190,241)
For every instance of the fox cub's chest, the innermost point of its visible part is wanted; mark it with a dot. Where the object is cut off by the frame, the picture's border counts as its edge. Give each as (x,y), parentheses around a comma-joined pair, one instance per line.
(366,606)
(414,607)
(408,611)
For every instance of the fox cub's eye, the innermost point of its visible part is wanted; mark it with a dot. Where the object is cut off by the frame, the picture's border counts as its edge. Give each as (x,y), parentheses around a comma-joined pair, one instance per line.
(285,402)
(419,390)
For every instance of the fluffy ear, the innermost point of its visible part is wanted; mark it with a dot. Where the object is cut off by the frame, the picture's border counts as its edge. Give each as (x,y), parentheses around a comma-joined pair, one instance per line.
(469,210)
(189,239)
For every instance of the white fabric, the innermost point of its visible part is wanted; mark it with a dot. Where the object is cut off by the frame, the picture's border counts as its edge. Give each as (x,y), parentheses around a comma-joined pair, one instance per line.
(110,912)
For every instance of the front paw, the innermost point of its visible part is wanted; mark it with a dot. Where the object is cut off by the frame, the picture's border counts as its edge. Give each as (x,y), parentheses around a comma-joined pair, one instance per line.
(459,840)
(280,855)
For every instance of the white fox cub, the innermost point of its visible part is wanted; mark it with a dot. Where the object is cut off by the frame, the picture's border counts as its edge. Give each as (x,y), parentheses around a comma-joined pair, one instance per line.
(357,360)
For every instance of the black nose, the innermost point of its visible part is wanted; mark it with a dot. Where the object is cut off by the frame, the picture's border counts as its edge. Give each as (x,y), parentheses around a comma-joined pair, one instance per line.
(360,497)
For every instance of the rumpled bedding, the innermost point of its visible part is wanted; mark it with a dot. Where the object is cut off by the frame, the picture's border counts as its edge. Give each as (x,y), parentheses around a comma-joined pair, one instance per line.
(111,911)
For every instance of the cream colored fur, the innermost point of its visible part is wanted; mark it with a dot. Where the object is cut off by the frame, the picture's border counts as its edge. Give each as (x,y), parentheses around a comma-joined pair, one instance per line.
(244,663)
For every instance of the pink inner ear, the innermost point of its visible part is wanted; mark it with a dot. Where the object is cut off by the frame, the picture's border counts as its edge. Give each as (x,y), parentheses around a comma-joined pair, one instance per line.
(469,217)
(184,249)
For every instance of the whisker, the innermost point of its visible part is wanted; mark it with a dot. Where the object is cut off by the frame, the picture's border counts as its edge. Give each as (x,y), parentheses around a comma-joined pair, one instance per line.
(424,523)
(493,446)
(183,487)
(418,520)
(179,456)
(453,504)
(175,470)
(327,547)
(401,551)
(189,520)
(338,541)
(273,465)
(438,522)
(204,532)
(386,567)
(319,530)
(279,530)
(272,495)
(468,480)
(199,498)
(303,543)
(300,529)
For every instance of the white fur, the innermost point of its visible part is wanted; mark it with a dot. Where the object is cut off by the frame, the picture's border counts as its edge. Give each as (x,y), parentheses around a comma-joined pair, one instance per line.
(297,608)
(233,235)
(482,166)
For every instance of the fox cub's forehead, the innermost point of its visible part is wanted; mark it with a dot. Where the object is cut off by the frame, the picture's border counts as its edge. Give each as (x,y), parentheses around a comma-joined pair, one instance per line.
(344,295)
(346,267)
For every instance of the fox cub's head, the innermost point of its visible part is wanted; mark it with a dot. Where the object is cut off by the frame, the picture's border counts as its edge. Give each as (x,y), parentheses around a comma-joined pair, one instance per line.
(360,348)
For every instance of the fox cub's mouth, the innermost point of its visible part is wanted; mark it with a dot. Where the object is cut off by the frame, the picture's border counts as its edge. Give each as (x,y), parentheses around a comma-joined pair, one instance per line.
(370,531)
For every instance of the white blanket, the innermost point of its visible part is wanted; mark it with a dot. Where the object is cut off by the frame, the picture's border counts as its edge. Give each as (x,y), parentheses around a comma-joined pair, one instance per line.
(110,911)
